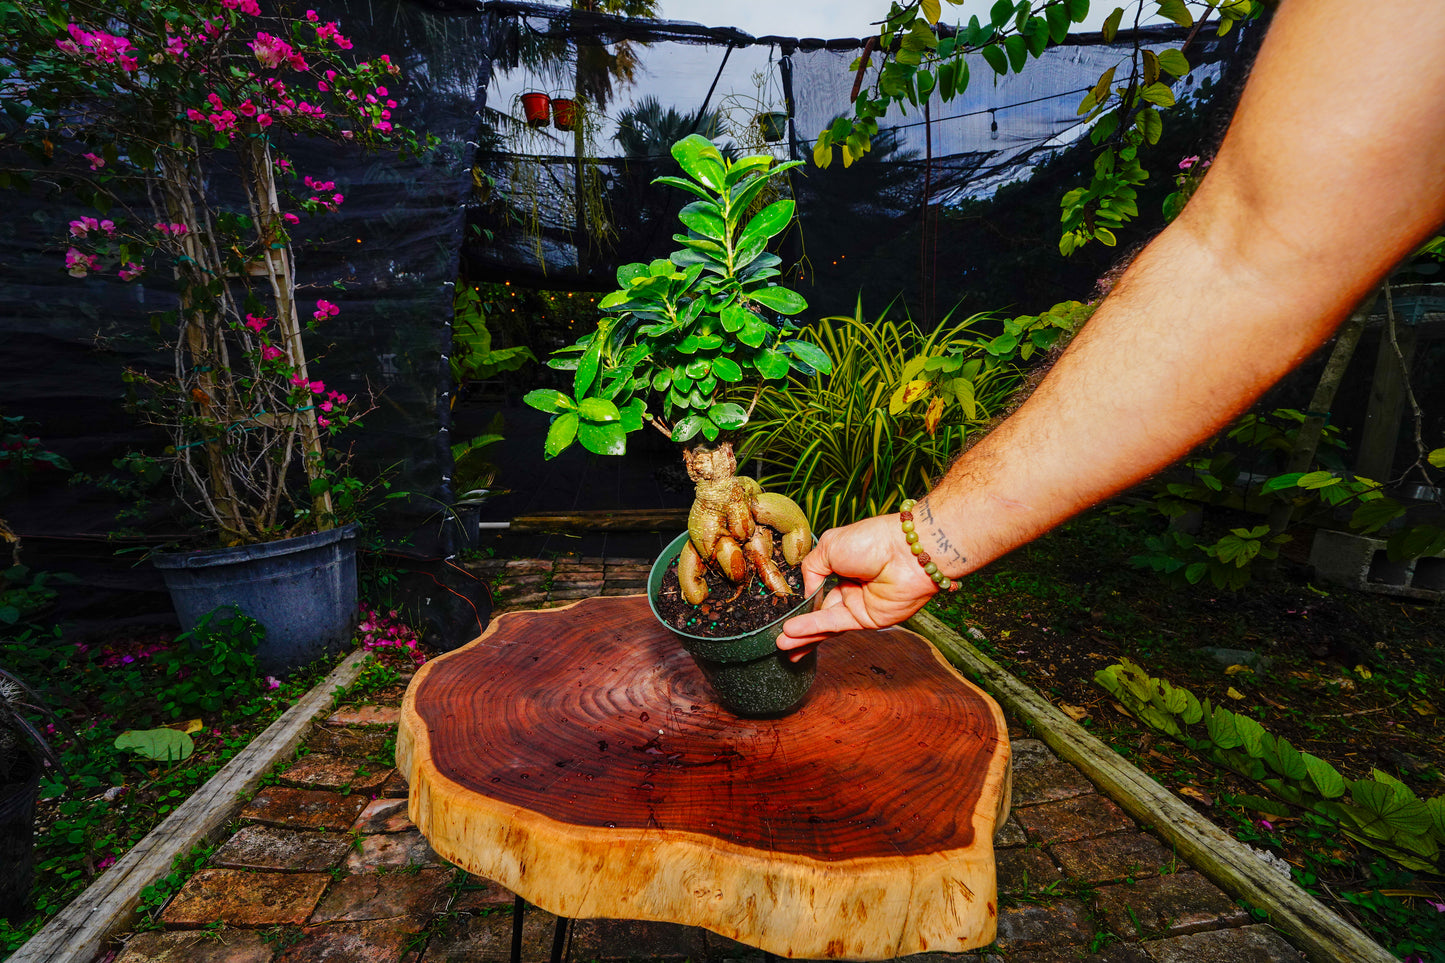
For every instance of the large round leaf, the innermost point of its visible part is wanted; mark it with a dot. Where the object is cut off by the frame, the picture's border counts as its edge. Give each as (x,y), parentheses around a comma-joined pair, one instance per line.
(727,369)
(700,158)
(728,415)
(811,355)
(772,363)
(161,745)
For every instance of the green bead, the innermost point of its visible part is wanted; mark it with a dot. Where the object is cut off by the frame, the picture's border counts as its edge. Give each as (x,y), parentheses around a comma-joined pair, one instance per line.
(915,548)
(931,568)
(908,504)
(946,584)
(912,538)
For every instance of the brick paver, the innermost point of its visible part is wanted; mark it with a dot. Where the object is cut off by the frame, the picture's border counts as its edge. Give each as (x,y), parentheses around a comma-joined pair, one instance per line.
(240,898)
(319,875)
(304,808)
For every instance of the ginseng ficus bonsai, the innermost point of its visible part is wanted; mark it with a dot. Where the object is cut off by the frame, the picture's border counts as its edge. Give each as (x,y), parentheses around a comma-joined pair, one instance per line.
(679,339)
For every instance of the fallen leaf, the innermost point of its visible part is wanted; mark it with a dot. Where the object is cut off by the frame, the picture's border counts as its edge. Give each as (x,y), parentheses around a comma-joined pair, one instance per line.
(1233,693)
(1199,795)
(1077,713)
(1122,710)
(1425,707)
(190,725)
(1363,672)
(1237,669)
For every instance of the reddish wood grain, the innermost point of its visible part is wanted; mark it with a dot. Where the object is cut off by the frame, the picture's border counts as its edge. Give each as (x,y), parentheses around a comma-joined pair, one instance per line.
(594,716)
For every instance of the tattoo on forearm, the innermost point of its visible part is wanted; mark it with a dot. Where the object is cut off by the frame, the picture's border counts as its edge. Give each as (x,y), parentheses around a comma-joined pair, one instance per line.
(940,536)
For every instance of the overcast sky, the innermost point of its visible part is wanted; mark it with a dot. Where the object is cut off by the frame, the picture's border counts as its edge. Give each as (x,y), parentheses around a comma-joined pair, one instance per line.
(834,18)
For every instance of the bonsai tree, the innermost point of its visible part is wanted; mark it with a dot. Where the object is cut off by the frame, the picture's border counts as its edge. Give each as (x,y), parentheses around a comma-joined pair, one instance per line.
(679,343)
(171,121)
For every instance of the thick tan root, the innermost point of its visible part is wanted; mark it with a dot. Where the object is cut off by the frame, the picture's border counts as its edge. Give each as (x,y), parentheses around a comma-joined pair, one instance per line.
(689,575)
(759,550)
(731,560)
(783,514)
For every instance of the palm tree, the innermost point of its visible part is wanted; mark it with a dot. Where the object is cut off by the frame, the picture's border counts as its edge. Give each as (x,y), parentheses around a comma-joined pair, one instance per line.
(646,130)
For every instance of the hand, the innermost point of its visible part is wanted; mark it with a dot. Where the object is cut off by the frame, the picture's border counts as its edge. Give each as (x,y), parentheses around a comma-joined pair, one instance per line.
(881,583)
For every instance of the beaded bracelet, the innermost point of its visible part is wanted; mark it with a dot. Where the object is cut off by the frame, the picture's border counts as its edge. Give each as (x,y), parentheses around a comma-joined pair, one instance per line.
(930,567)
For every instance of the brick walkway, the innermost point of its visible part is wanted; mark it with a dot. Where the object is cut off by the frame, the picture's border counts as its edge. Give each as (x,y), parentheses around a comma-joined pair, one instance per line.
(326,868)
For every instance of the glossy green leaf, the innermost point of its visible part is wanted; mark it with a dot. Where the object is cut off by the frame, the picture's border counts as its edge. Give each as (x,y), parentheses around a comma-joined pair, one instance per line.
(1078,9)
(996,58)
(780,299)
(1158,93)
(687,427)
(632,415)
(1176,10)
(1036,35)
(560,434)
(684,184)
(1018,52)
(587,367)
(598,410)
(811,355)
(772,363)
(548,400)
(727,369)
(1001,13)
(702,217)
(701,159)
(1173,62)
(1058,20)
(728,415)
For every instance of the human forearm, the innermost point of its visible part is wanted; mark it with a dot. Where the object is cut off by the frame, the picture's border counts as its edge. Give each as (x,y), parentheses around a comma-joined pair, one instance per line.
(1331,172)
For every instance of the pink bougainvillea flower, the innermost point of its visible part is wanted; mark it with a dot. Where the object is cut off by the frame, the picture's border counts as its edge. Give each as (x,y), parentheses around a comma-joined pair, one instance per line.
(270,352)
(106,863)
(325,406)
(1188,162)
(321,86)
(290,218)
(271,51)
(1437,907)
(337,397)
(255,323)
(336,199)
(1264,824)
(78,264)
(325,309)
(130,271)
(96,161)
(298,380)
(317,387)
(264,120)
(272,682)
(323,422)
(381,91)
(81,226)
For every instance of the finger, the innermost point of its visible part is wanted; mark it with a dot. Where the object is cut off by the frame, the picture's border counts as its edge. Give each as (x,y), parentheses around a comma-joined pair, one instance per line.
(813,627)
(798,655)
(815,566)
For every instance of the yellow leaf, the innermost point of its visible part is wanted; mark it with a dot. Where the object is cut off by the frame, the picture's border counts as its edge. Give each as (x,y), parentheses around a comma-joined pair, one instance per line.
(931,10)
(190,725)
(822,152)
(1077,713)
(1197,794)
(913,391)
(1233,693)
(1425,707)
(1237,669)
(934,414)
(1363,672)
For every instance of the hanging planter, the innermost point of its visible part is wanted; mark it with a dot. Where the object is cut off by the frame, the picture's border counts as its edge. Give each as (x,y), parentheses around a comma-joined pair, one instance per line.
(773,124)
(564,113)
(534,108)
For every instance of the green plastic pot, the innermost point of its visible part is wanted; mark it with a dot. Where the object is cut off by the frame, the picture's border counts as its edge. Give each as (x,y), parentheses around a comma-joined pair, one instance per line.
(747,672)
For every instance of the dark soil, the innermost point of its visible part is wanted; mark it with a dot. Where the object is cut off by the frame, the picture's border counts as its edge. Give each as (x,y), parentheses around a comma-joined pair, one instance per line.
(1355,678)
(729,609)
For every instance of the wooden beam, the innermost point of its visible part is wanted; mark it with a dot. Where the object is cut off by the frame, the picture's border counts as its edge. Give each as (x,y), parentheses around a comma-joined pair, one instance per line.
(611,520)
(1323,935)
(108,906)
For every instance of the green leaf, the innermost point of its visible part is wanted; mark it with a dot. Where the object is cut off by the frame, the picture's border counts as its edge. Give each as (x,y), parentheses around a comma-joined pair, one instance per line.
(1437,457)
(772,364)
(1078,9)
(587,366)
(728,370)
(1287,761)
(1176,10)
(1326,779)
(1036,35)
(632,414)
(1318,479)
(1150,124)
(996,58)
(548,400)
(811,355)
(1018,52)
(161,745)
(605,438)
(687,427)
(766,224)
(701,159)
(1111,24)
(780,299)
(1395,808)
(1280,482)
(1221,729)
(1173,62)
(702,217)
(1157,93)
(598,410)
(1001,13)
(728,415)
(1250,735)
(684,184)
(560,435)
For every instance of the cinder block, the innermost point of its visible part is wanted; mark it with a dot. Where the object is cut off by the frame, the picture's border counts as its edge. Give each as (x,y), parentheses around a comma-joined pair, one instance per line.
(1362,563)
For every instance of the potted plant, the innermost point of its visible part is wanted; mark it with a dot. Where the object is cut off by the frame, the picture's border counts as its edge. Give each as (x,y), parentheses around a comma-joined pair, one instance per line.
(773,125)
(681,343)
(535,106)
(178,143)
(24,755)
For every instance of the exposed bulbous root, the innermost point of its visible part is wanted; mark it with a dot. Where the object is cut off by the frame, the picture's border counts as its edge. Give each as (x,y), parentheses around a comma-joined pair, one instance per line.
(732,521)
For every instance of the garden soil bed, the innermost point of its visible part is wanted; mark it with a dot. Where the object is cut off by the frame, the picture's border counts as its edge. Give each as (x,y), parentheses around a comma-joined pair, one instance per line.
(1354,678)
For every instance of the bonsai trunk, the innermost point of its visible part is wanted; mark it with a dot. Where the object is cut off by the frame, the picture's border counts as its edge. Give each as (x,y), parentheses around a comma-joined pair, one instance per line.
(731,524)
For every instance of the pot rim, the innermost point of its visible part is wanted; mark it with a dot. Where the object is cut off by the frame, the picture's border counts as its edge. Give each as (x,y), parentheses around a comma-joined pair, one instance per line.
(210,557)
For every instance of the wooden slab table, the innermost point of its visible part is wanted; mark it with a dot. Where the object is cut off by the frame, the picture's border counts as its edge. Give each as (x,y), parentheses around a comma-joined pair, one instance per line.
(575,756)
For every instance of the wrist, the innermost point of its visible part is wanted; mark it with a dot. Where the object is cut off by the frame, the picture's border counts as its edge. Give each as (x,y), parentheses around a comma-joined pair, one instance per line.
(918,548)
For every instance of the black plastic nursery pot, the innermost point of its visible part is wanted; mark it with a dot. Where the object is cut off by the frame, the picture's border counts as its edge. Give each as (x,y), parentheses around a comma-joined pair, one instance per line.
(302,590)
(747,672)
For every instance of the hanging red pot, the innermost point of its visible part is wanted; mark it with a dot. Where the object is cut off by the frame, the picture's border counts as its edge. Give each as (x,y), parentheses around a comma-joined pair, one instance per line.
(534,107)
(564,113)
